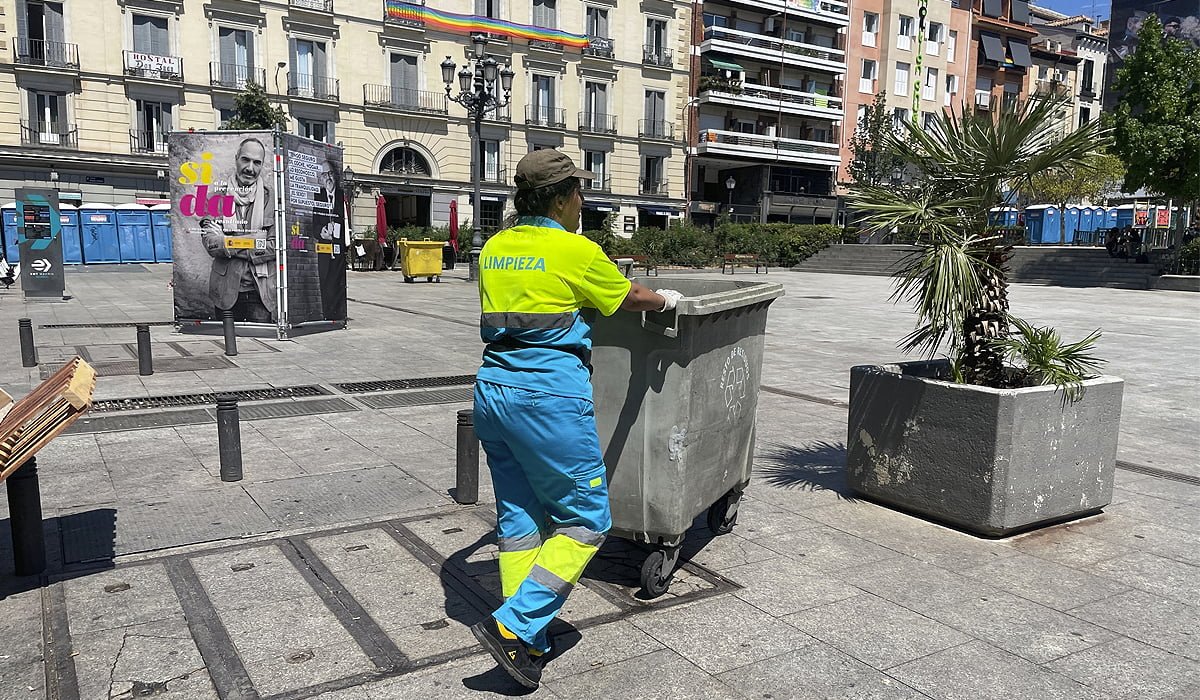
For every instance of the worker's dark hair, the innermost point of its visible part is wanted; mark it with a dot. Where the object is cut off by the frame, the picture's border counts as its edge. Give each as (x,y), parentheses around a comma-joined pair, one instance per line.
(537,202)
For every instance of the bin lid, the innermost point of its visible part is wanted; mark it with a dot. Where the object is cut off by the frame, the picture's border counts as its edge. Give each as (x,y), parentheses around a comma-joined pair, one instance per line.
(702,297)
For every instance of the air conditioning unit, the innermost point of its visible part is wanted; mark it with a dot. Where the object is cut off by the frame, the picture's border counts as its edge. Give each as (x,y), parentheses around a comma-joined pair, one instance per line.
(983,100)
(771,24)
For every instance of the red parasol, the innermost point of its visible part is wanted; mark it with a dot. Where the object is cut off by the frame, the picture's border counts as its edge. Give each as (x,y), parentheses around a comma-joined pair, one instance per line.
(381,220)
(454,224)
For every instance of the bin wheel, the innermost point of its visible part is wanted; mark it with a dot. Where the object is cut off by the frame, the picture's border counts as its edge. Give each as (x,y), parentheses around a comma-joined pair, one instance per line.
(408,280)
(655,580)
(431,279)
(437,279)
(720,518)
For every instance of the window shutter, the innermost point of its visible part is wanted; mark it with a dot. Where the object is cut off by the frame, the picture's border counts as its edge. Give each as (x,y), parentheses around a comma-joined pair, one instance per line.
(54,21)
(319,65)
(226,46)
(157,30)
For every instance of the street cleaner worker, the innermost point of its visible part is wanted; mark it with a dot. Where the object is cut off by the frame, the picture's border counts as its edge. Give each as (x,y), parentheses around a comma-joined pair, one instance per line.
(533,403)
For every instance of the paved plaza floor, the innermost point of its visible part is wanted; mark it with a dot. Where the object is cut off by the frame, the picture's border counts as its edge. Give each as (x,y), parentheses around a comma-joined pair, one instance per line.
(341,568)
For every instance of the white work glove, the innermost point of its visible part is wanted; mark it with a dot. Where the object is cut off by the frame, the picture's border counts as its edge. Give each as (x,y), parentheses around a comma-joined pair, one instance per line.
(670,296)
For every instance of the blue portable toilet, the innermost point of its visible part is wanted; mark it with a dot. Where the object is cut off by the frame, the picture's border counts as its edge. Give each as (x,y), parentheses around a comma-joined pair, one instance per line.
(1110,217)
(98,226)
(72,244)
(8,216)
(1002,216)
(1072,216)
(133,232)
(160,226)
(1087,221)
(1035,224)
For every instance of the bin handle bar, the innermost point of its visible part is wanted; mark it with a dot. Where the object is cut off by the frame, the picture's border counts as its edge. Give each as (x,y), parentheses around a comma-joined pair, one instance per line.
(671,331)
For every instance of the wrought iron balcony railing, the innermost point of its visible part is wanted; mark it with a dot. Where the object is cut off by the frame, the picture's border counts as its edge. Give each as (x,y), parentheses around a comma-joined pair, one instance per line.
(653,55)
(538,115)
(316,87)
(593,123)
(146,65)
(404,99)
(599,46)
(314,5)
(235,75)
(53,134)
(40,52)
(147,141)
(652,186)
(601,183)
(494,174)
(656,129)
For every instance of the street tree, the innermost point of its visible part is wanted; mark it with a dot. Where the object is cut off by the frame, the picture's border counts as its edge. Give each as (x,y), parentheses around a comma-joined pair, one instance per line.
(253,110)
(874,163)
(1156,125)
(1060,185)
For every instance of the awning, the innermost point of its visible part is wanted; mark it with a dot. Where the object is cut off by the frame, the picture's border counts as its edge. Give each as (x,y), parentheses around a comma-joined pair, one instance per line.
(992,8)
(724,64)
(992,48)
(1019,50)
(1020,11)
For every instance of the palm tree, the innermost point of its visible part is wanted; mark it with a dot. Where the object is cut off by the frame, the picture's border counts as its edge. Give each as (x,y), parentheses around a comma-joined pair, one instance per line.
(959,167)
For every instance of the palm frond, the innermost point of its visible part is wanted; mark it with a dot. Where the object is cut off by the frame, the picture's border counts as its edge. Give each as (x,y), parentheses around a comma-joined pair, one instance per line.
(943,280)
(1046,360)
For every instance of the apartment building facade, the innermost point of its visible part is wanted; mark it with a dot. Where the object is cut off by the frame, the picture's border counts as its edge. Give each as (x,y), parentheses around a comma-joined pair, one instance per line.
(922,63)
(1070,60)
(1001,35)
(89,88)
(765,122)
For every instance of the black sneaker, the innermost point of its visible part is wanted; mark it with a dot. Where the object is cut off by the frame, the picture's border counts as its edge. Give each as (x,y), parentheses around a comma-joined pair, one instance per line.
(511,654)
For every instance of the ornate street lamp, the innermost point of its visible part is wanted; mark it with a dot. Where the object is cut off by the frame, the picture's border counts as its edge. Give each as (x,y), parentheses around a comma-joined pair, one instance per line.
(479,94)
(730,183)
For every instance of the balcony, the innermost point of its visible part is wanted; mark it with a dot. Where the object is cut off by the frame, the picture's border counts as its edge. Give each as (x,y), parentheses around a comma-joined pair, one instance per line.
(500,114)
(1052,88)
(590,123)
(731,143)
(656,129)
(600,47)
(600,183)
(552,46)
(152,67)
(403,17)
(766,48)
(725,91)
(830,11)
(551,117)
(494,174)
(235,76)
(143,141)
(652,186)
(658,56)
(313,87)
(47,54)
(49,134)
(404,99)
(1087,92)
(314,5)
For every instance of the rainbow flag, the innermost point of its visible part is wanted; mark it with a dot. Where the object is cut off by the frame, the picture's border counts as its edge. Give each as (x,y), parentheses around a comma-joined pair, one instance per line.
(474,24)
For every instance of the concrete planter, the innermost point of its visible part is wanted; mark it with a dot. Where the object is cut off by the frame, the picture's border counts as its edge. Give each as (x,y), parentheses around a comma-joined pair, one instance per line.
(990,461)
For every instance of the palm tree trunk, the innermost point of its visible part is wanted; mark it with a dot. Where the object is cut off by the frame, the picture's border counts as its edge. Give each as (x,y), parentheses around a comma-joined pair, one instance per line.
(982,364)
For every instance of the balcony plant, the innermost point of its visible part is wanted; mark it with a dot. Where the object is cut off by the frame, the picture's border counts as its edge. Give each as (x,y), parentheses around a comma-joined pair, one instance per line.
(719,83)
(1008,430)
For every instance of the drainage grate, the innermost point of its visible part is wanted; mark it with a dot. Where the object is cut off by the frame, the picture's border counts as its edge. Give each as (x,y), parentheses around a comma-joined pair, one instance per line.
(398,384)
(291,409)
(130,324)
(170,364)
(418,398)
(1160,473)
(119,423)
(206,399)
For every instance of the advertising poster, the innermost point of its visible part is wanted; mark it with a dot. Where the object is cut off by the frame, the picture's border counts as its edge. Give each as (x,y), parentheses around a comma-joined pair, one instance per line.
(315,241)
(1141,218)
(1180,20)
(223,226)
(39,232)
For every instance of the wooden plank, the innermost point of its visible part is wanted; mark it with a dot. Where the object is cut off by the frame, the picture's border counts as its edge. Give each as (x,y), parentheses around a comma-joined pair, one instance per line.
(31,423)
(81,387)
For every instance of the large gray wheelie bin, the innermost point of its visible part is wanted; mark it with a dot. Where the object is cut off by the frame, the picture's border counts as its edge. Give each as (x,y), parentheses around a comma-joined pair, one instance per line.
(676,395)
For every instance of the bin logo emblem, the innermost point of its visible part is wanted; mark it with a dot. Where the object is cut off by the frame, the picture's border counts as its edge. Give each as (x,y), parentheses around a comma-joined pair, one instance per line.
(734,379)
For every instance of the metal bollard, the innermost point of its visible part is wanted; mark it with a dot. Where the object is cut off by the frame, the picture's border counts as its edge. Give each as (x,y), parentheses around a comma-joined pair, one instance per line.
(25,519)
(28,350)
(229,438)
(230,334)
(466,478)
(145,357)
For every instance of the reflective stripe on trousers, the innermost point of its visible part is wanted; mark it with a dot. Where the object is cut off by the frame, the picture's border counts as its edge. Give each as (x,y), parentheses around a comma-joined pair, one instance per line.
(551,499)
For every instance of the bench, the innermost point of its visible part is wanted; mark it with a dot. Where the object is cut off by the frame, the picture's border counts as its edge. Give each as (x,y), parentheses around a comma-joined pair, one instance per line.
(628,263)
(27,426)
(735,260)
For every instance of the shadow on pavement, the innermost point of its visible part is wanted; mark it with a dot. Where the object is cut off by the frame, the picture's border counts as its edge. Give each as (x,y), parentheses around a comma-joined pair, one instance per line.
(815,466)
(77,545)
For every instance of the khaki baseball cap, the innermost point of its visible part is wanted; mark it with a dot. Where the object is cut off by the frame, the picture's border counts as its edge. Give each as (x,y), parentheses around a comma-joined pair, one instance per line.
(546,167)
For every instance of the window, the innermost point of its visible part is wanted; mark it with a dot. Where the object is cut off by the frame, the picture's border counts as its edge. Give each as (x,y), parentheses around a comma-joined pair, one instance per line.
(1089,74)
(596,162)
(307,76)
(867,82)
(150,35)
(236,54)
(47,119)
(899,116)
(317,129)
(404,80)
(655,114)
(545,13)
(153,121)
(489,159)
(928,120)
(904,37)
(1085,116)
(542,100)
(714,20)
(951,45)
(929,89)
(595,107)
(656,37)
(951,89)
(870,28)
(597,22)
(862,114)
(43,35)
(1011,94)
(900,89)
(224,114)
(933,39)
(488,8)
(404,161)
(1043,74)
(652,175)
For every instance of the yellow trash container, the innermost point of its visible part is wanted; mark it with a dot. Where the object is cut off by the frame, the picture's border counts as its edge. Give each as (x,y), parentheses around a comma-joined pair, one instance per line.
(421,259)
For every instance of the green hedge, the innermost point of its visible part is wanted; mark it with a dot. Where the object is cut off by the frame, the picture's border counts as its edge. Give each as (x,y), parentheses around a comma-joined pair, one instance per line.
(1189,258)
(697,246)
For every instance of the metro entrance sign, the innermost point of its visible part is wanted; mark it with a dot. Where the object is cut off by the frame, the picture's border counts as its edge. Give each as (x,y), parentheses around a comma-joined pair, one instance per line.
(39,228)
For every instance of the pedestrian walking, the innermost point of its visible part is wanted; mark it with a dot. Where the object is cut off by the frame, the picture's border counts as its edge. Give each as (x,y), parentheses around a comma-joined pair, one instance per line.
(533,403)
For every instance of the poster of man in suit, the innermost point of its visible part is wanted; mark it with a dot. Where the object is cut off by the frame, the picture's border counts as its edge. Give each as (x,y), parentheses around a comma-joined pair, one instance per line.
(316,237)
